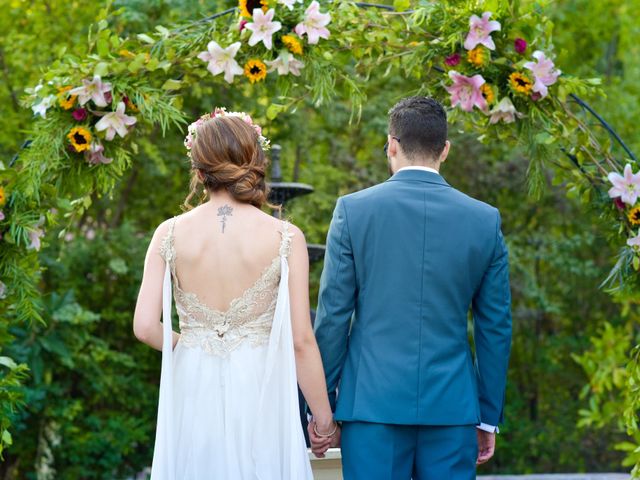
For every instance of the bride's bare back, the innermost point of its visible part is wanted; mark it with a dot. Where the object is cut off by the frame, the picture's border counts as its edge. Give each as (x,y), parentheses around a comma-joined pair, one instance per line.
(223,248)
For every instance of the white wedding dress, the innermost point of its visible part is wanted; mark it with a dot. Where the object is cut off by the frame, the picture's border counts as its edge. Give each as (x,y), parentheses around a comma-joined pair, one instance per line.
(228,405)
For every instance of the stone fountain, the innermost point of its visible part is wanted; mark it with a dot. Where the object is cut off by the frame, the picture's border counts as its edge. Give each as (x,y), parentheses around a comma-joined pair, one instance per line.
(282,192)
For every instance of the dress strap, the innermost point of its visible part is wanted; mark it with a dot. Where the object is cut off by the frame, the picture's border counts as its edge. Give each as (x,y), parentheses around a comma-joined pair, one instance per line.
(167,249)
(285,243)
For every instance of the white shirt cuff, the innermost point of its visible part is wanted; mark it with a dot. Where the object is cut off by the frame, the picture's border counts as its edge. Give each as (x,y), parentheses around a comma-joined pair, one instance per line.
(488,428)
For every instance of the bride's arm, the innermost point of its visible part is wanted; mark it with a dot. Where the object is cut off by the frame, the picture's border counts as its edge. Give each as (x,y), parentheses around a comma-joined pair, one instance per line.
(147,325)
(308,362)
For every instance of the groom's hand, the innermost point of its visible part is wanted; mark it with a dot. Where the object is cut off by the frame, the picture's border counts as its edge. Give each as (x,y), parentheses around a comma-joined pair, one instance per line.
(486,446)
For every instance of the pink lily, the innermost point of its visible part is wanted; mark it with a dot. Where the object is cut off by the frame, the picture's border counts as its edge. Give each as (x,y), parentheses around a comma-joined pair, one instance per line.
(544,72)
(35,235)
(314,24)
(94,90)
(465,91)
(480,32)
(263,27)
(505,111)
(222,60)
(626,186)
(115,122)
(285,64)
(95,154)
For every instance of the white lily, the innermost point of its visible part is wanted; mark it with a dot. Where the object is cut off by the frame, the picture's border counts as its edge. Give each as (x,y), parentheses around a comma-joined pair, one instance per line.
(263,27)
(115,122)
(289,3)
(44,105)
(222,60)
(92,90)
(285,64)
(505,111)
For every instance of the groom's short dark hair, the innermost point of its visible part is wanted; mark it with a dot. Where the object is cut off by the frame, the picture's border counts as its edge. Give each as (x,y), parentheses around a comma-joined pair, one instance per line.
(421,125)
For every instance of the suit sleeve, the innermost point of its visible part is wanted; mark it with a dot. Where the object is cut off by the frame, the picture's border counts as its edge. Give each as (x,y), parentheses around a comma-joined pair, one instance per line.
(336,299)
(491,310)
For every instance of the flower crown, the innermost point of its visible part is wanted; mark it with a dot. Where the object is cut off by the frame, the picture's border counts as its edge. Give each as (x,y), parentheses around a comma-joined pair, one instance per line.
(222,112)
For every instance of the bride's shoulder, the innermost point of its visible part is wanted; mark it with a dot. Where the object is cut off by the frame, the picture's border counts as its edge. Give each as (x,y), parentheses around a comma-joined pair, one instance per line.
(165,227)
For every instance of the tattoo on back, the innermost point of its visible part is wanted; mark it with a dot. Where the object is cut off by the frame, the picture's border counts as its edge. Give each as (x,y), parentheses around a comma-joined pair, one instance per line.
(224,212)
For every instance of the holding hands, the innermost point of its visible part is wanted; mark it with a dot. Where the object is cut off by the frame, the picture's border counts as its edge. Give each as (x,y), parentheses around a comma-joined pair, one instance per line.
(323,436)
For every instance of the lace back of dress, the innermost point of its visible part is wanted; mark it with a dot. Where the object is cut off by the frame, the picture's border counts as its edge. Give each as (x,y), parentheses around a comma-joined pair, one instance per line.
(249,316)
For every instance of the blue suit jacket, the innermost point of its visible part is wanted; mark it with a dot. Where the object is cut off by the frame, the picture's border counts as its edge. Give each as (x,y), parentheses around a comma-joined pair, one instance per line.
(405,262)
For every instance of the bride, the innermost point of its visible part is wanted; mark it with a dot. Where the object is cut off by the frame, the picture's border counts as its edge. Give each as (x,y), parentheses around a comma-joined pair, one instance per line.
(228,404)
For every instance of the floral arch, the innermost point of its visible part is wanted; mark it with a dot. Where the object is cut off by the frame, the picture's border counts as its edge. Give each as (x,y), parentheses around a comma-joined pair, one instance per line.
(492,63)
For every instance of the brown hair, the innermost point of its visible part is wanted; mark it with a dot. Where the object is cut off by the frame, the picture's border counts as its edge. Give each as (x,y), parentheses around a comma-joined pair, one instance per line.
(227,153)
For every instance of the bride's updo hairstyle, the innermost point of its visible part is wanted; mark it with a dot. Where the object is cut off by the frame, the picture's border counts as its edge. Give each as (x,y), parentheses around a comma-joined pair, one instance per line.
(226,154)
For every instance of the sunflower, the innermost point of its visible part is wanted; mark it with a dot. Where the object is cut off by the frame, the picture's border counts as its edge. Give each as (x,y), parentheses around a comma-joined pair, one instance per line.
(634,216)
(80,139)
(256,70)
(3,196)
(293,44)
(520,83)
(478,56)
(248,6)
(65,100)
(487,93)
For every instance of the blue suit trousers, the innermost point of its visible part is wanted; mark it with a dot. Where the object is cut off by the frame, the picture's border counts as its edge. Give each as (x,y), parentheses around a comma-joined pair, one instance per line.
(377,451)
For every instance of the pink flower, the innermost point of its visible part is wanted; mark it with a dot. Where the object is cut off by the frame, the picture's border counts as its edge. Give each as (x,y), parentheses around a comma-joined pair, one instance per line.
(619,203)
(535,96)
(35,235)
(115,122)
(505,111)
(314,24)
(285,64)
(452,60)
(480,32)
(465,91)
(79,114)
(2,217)
(634,241)
(222,60)
(544,72)
(95,154)
(520,44)
(94,90)
(263,27)
(626,186)
(242,24)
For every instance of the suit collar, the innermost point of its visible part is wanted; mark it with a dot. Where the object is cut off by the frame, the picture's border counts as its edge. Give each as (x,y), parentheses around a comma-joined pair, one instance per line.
(413,175)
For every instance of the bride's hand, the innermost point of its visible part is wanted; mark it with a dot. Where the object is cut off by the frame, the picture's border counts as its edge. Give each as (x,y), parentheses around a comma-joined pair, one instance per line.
(319,442)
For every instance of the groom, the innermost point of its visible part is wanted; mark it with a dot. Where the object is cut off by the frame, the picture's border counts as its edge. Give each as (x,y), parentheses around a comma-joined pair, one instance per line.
(405,262)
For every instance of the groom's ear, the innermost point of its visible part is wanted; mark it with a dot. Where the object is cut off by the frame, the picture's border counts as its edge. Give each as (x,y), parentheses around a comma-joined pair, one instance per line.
(445,151)
(393,146)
